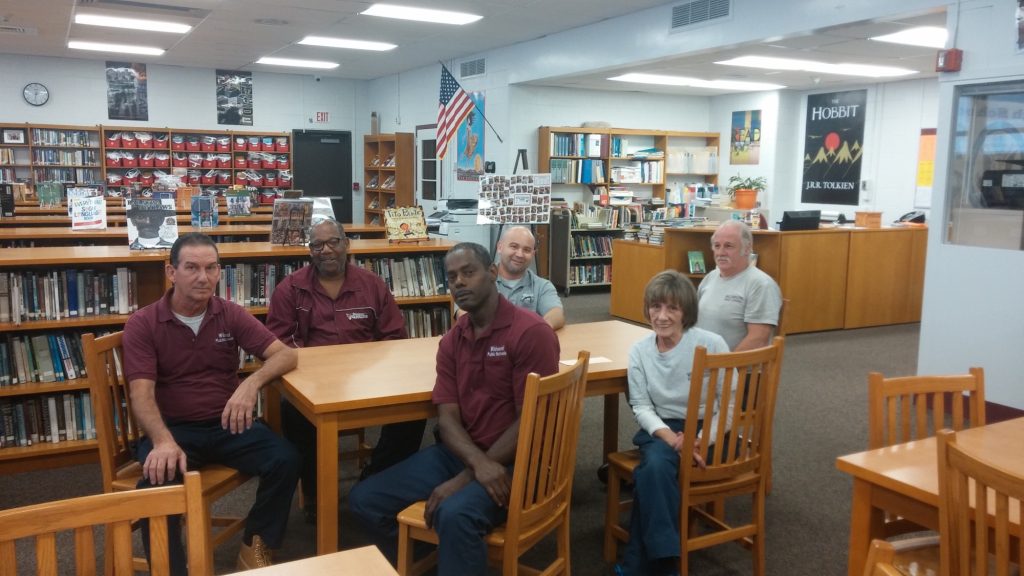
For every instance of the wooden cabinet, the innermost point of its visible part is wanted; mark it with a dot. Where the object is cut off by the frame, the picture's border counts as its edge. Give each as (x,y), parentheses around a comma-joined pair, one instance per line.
(387,174)
(833,278)
(50,153)
(645,162)
(579,257)
(410,270)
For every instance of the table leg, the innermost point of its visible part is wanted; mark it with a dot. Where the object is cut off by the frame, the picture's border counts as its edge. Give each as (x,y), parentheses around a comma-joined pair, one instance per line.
(611,425)
(327,484)
(866,523)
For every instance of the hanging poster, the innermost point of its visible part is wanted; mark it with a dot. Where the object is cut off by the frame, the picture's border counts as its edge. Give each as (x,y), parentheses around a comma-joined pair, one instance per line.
(470,164)
(127,92)
(1020,25)
(234,98)
(925,168)
(524,199)
(746,138)
(832,147)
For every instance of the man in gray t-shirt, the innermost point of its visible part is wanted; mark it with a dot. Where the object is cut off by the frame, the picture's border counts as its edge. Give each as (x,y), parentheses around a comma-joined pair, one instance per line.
(736,300)
(519,284)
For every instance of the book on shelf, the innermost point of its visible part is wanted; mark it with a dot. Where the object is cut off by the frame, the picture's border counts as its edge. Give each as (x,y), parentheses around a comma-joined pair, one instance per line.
(152,223)
(291,221)
(204,212)
(405,224)
(88,213)
(696,258)
(594,145)
(6,200)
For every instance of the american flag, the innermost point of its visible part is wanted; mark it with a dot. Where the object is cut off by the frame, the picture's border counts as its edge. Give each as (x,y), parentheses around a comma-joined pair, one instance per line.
(453,106)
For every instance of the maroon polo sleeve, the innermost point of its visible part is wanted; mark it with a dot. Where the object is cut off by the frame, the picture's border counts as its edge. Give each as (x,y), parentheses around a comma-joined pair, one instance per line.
(281,319)
(391,324)
(251,334)
(445,387)
(139,356)
(536,351)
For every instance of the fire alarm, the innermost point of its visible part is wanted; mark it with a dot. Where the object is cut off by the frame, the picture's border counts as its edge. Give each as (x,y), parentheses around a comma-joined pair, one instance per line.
(949,60)
(355,186)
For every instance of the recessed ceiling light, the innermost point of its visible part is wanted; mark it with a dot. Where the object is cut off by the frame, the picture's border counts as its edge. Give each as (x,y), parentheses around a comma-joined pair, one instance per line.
(122,48)
(792,64)
(927,36)
(421,14)
(346,43)
(297,63)
(132,23)
(695,82)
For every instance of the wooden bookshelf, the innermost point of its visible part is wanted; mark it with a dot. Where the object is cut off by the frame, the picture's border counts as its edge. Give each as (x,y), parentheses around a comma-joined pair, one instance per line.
(151,284)
(387,174)
(14,237)
(52,152)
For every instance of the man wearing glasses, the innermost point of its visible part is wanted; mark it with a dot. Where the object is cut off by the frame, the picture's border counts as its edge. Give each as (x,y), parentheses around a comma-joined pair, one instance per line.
(329,303)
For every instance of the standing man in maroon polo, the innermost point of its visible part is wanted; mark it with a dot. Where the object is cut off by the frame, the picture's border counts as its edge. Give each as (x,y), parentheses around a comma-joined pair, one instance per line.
(181,363)
(329,303)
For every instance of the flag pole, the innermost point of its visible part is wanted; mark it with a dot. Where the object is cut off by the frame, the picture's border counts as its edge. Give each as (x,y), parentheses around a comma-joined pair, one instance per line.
(477,108)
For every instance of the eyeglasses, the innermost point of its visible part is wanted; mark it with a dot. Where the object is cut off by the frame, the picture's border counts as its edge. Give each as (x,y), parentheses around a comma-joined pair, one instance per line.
(331,243)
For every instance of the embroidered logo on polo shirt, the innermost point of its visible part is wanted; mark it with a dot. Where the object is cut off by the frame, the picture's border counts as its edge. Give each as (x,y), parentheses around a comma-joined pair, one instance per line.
(357,315)
(734,298)
(497,352)
(224,337)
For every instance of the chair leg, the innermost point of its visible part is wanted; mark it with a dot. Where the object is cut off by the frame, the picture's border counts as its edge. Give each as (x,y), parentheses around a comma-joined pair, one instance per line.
(759,535)
(563,545)
(612,513)
(405,545)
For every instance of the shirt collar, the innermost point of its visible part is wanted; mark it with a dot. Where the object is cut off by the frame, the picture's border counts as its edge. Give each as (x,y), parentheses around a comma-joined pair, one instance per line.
(165,314)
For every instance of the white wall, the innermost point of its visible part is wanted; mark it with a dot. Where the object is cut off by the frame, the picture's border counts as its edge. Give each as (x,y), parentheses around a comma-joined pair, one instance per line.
(973,306)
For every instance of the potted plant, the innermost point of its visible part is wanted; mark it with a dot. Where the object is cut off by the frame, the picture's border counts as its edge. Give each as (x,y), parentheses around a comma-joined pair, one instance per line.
(743,191)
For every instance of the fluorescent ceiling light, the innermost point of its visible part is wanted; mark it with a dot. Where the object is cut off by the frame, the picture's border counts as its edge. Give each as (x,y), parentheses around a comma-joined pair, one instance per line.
(927,36)
(297,63)
(696,82)
(132,23)
(791,64)
(346,43)
(122,48)
(421,14)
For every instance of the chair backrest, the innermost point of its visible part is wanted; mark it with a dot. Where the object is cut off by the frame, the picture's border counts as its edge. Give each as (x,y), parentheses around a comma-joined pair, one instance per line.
(914,407)
(549,427)
(967,484)
(742,385)
(116,511)
(116,430)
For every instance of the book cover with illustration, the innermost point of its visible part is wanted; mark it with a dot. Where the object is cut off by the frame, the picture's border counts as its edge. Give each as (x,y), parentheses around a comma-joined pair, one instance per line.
(239,203)
(204,212)
(696,262)
(291,222)
(81,192)
(405,224)
(88,212)
(152,223)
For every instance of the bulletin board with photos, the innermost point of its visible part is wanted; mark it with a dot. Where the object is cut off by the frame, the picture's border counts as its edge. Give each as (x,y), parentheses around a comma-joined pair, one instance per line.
(517,199)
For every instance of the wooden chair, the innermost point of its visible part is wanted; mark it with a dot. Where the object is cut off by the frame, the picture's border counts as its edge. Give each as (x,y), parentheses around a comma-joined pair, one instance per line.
(968,485)
(116,512)
(897,558)
(117,434)
(914,407)
(738,465)
(541,482)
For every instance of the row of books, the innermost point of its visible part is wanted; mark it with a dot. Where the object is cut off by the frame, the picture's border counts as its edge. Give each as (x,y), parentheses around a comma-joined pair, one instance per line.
(576,145)
(564,171)
(423,322)
(52,357)
(411,276)
(56,294)
(65,157)
(703,160)
(582,275)
(49,418)
(253,284)
(48,137)
(640,171)
(80,175)
(590,245)
(7,175)
(7,156)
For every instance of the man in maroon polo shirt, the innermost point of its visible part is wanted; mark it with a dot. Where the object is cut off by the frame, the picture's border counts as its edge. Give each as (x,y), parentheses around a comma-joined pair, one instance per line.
(482,363)
(328,303)
(181,363)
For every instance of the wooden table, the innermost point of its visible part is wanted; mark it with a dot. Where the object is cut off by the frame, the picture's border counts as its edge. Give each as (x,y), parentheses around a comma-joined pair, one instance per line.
(904,480)
(366,561)
(355,385)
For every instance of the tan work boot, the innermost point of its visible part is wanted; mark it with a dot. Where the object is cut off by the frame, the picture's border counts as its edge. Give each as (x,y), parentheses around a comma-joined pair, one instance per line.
(255,556)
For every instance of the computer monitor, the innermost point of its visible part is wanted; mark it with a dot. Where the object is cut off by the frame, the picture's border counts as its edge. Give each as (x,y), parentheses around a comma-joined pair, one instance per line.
(800,220)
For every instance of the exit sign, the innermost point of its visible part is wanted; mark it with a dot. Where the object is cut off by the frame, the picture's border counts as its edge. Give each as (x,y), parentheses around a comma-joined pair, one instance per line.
(322,117)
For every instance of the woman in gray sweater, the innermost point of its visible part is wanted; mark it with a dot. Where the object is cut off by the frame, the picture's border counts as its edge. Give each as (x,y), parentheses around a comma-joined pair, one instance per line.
(659,385)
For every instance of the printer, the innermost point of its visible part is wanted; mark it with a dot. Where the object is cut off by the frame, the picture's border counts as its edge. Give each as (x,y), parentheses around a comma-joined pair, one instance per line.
(457,223)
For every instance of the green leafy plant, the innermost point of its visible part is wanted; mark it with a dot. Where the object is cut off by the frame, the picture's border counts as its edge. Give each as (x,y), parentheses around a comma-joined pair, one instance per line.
(738,182)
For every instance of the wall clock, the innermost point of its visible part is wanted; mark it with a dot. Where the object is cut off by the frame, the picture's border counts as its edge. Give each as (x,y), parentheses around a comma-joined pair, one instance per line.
(36,94)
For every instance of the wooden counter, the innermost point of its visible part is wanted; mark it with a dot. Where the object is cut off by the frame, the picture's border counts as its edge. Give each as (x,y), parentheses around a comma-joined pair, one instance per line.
(834,278)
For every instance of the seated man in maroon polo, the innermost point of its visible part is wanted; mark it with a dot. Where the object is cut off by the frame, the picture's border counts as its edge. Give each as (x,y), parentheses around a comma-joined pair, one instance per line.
(181,363)
(330,302)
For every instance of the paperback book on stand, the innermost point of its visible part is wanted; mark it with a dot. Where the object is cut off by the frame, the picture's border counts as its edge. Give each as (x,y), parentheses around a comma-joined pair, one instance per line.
(81,192)
(239,203)
(696,262)
(152,223)
(291,221)
(51,194)
(405,224)
(88,213)
(204,212)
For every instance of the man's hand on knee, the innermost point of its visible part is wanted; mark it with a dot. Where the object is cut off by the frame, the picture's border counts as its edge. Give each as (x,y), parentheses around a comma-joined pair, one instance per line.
(442,492)
(163,462)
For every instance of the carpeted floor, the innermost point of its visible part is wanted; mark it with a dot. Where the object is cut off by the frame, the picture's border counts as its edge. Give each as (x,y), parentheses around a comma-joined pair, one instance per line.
(821,414)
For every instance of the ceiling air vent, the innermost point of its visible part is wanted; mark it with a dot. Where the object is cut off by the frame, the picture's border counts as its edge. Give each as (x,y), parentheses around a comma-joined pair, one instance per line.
(21,30)
(699,11)
(472,68)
